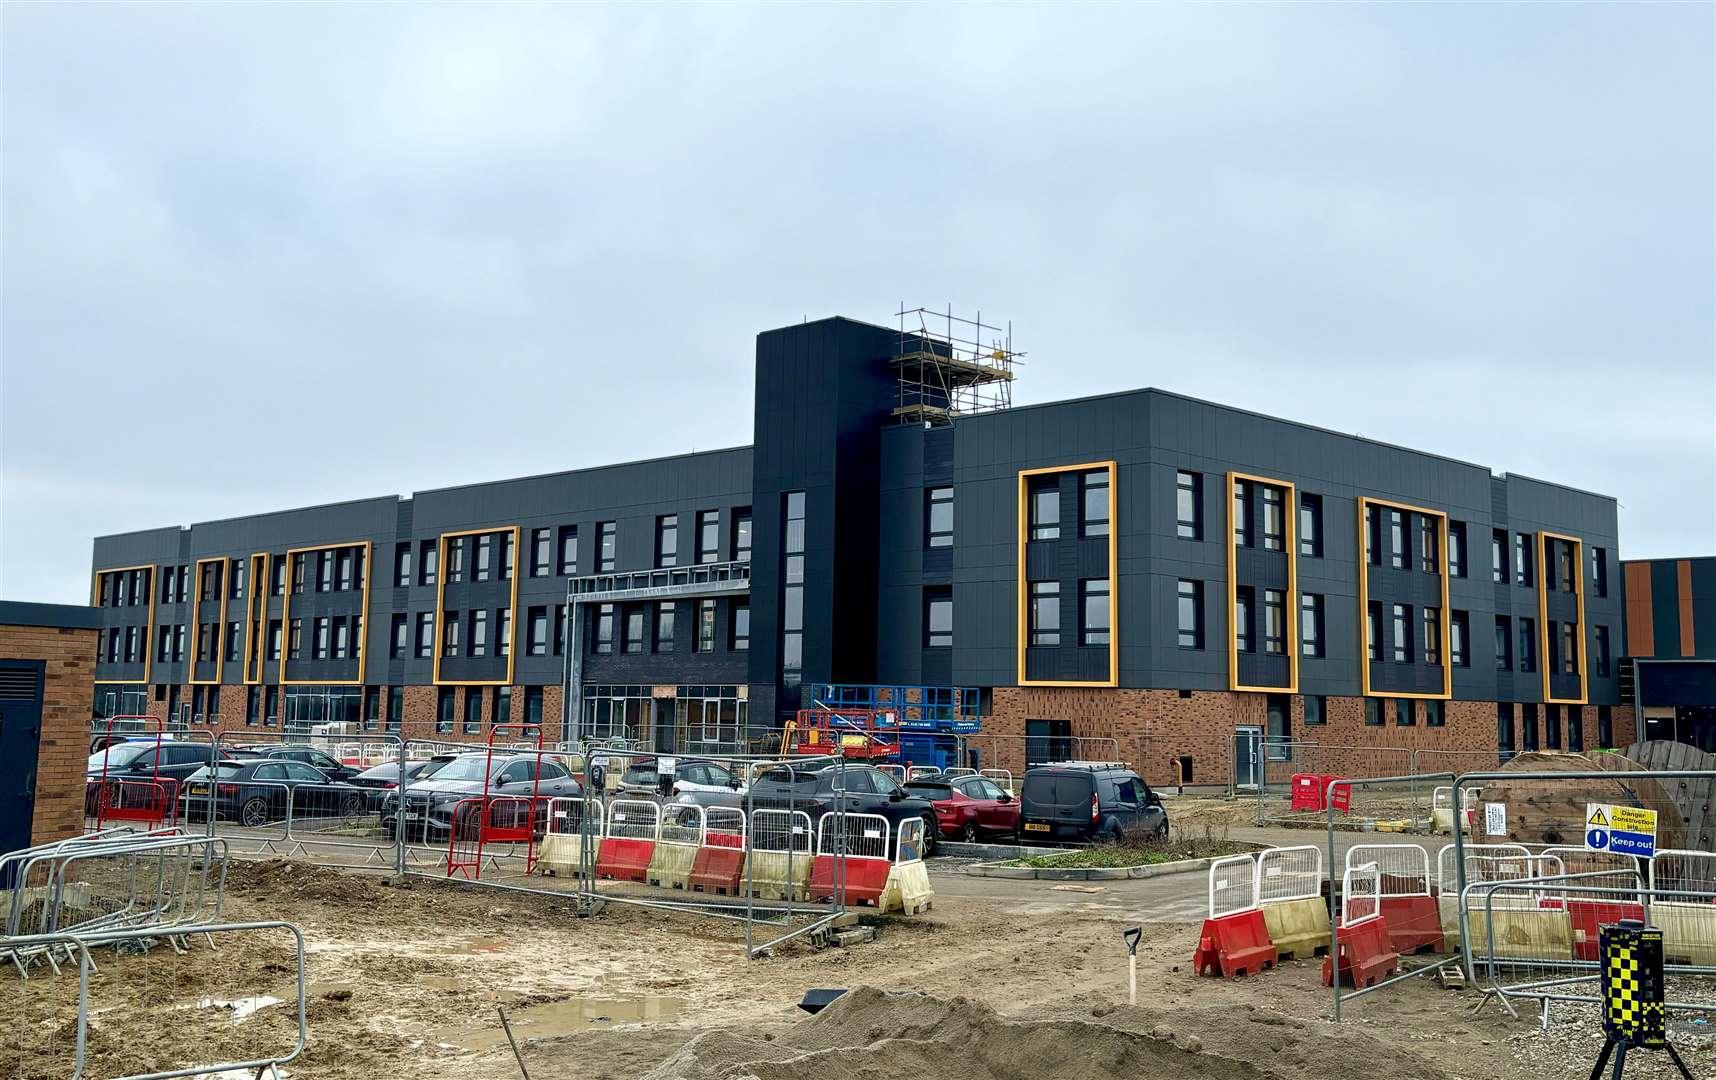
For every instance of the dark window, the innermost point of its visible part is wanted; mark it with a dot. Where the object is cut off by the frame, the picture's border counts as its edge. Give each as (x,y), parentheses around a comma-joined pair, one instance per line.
(1605,727)
(1402,633)
(1602,647)
(401,639)
(1565,565)
(1432,635)
(1527,644)
(1435,715)
(1045,612)
(1599,572)
(938,516)
(667,540)
(297,574)
(1575,728)
(1459,633)
(479,642)
(456,559)
(274,639)
(559,629)
(1274,621)
(1189,504)
(1094,614)
(541,552)
(1274,518)
(1311,624)
(425,634)
(634,630)
(1093,503)
(1457,548)
(664,618)
(294,643)
(792,595)
(1522,559)
(568,550)
(348,569)
(708,536)
(1316,710)
(1242,619)
(500,706)
(371,708)
(482,567)
(604,628)
(1429,560)
(252,705)
(606,544)
(508,557)
(705,639)
(444,711)
(473,711)
(402,565)
(1373,712)
(1373,629)
(1242,513)
(1528,726)
(742,535)
(1045,508)
(1403,716)
(1504,643)
(1569,648)
(1311,525)
(1498,556)
(428,561)
(1373,534)
(1504,729)
(741,627)
(536,631)
(1191,614)
(1552,727)
(324,571)
(1398,554)
(450,625)
(938,618)
(533,705)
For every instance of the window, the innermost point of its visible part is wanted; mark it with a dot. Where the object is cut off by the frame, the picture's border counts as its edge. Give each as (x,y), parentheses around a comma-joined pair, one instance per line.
(1459,633)
(1045,508)
(792,595)
(1569,648)
(1241,513)
(1274,621)
(1432,635)
(533,705)
(425,634)
(444,711)
(536,631)
(1599,572)
(473,711)
(401,637)
(1189,504)
(1457,548)
(1094,612)
(1402,633)
(1552,727)
(348,569)
(705,639)
(1398,555)
(667,540)
(252,705)
(664,613)
(500,706)
(742,535)
(1045,613)
(483,565)
(1504,643)
(1373,534)
(1434,713)
(1316,710)
(741,627)
(1575,728)
(479,642)
(1311,526)
(1310,624)
(1429,560)
(1403,716)
(456,559)
(1498,557)
(503,631)
(568,550)
(371,708)
(938,517)
(1373,712)
(1274,519)
(606,543)
(297,574)
(208,581)
(324,571)
(450,624)
(1527,644)
(402,565)
(428,562)
(274,639)
(1522,559)
(708,536)
(1242,623)
(541,552)
(1602,652)
(1564,564)
(1605,727)
(938,618)
(1093,503)
(1373,629)
(634,642)
(559,629)
(604,628)
(1504,729)
(1191,614)
(295,641)
(319,646)
(342,640)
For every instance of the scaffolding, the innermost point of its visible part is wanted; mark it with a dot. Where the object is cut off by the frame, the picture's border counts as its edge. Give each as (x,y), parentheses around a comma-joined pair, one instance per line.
(947,366)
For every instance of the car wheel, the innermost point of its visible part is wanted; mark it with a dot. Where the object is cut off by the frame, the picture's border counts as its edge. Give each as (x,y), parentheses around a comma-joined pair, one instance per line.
(351,806)
(254,813)
(931,834)
(969,834)
(1161,832)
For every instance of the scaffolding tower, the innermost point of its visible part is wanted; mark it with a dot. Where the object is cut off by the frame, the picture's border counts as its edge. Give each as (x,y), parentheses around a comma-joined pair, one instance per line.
(948,366)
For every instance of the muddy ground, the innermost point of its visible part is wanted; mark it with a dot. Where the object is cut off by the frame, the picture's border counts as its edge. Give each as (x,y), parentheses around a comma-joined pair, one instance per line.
(405,981)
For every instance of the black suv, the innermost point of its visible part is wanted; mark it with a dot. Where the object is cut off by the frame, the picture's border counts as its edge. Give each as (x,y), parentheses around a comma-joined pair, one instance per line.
(1089,801)
(316,758)
(868,790)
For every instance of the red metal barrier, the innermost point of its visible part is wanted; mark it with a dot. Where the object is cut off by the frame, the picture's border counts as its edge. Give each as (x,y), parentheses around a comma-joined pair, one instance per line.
(150,802)
(1234,945)
(719,866)
(1367,955)
(1414,924)
(496,819)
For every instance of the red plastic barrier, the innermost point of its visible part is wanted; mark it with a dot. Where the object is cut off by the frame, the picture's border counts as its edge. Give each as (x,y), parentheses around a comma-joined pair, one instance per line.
(1234,945)
(624,859)
(1366,955)
(1414,924)
(1587,916)
(1342,797)
(719,870)
(1308,791)
(866,879)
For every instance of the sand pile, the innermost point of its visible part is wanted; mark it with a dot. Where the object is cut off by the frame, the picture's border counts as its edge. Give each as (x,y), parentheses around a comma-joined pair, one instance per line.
(872,1035)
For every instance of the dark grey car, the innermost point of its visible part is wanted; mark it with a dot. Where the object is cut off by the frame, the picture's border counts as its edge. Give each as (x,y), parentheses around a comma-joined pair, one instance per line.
(430,805)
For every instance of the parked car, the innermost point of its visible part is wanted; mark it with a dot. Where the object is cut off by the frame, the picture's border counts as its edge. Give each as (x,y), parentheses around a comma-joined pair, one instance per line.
(429,806)
(969,808)
(868,790)
(315,757)
(256,791)
(690,777)
(131,766)
(1089,801)
(385,777)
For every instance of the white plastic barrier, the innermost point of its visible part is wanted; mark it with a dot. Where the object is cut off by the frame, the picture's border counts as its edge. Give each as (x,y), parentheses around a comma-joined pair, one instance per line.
(922,772)
(1004,777)
(1361,895)
(682,832)
(1233,885)
(780,854)
(1289,873)
(1404,869)
(951,773)
(562,847)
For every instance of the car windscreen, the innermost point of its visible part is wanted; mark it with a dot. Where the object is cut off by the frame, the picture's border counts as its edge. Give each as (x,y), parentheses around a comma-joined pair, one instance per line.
(929,789)
(1057,789)
(467,767)
(224,768)
(431,767)
(118,756)
(783,775)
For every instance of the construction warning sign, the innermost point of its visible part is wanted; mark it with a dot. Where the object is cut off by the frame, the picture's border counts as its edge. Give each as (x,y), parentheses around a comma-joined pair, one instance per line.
(1624,830)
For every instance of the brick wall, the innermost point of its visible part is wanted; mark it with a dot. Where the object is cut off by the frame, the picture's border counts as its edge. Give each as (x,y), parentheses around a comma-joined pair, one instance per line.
(68,699)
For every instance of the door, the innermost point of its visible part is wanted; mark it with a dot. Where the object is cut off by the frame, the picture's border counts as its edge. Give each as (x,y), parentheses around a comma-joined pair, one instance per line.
(1247,757)
(666,729)
(20,740)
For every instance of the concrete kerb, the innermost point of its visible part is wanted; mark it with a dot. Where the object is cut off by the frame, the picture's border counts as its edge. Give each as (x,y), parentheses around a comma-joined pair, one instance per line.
(1087,873)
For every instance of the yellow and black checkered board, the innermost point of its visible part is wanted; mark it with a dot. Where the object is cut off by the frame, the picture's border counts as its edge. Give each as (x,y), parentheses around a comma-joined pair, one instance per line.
(1632,985)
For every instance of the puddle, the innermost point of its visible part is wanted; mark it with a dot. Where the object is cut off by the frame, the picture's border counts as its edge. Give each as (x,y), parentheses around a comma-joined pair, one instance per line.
(439,982)
(241,1007)
(483,945)
(565,1017)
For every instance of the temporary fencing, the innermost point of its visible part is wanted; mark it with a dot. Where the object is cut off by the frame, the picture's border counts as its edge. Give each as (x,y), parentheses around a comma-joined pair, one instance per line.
(1004,777)
(1362,954)
(1406,894)
(194,1005)
(1294,777)
(628,844)
(853,857)
(1290,892)
(1234,939)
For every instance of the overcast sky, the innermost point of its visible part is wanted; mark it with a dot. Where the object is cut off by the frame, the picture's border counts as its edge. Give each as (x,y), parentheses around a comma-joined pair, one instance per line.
(264,256)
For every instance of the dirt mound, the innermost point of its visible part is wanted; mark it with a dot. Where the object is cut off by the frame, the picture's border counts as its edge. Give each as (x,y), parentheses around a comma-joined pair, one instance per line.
(298,880)
(869,1034)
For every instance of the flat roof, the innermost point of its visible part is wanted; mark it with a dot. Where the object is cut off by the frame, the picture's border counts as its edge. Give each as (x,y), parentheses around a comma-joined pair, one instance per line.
(57,616)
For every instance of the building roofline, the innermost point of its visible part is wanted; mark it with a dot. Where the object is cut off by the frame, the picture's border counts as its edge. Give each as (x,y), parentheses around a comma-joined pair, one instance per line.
(1671,558)
(57,616)
(589,469)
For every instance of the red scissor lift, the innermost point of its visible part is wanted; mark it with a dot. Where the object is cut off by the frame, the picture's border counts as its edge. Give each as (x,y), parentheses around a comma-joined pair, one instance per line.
(853,733)
(154,801)
(476,824)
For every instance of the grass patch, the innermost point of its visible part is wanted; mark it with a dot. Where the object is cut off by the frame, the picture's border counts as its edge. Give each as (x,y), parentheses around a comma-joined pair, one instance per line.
(1208,842)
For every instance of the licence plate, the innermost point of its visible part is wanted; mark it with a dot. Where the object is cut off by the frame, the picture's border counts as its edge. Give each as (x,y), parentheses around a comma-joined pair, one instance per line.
(198,789)
(1035,826)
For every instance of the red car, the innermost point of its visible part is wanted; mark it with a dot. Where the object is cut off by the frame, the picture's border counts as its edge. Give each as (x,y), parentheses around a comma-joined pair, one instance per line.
(968,807)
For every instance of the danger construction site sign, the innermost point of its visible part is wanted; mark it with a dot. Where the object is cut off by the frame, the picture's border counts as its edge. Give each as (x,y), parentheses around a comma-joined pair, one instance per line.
(1624,830)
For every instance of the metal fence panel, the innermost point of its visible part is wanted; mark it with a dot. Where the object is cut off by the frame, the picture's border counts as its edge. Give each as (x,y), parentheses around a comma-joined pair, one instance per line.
(1290,873)
(1232,885)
